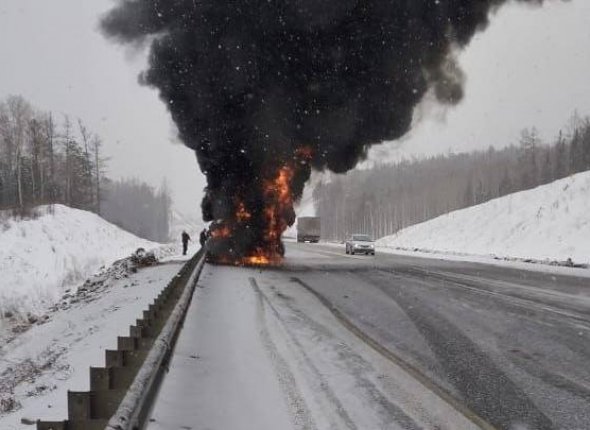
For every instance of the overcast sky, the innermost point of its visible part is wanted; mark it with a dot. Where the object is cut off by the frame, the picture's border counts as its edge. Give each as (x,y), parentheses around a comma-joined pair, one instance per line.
(530,68)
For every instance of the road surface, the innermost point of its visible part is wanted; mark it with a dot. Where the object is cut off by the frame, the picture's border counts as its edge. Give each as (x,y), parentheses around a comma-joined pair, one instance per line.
(331,341)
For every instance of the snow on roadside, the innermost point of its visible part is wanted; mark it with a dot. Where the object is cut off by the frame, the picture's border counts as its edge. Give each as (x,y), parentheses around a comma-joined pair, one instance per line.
(40,258)
(548,223)
(172,253)
(37,367)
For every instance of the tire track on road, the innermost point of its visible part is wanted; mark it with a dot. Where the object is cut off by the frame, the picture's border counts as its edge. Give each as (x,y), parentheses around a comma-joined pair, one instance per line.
(485,388)
(387,409)
(297,407)
(346,420)
(398,361)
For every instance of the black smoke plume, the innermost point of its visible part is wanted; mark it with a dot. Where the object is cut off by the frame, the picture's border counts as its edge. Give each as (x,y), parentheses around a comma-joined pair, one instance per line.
(256,86)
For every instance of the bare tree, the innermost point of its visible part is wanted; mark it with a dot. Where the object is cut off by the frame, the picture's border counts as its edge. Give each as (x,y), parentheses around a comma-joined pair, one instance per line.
(68,142)
(20,112)
(86,139)
(38,166)
(99,162)
(36,142)
(49,130)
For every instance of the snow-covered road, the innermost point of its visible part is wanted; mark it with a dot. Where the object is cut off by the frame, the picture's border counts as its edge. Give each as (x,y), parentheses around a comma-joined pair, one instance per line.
(331,341)
(256,353)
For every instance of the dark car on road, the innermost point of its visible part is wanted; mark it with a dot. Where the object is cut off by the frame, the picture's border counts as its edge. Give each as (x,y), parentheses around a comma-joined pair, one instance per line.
(360,244)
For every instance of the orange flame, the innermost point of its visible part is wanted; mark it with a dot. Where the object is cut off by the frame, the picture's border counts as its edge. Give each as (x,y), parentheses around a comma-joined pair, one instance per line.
(277,192)
(262,258)
(278,214)
(256,260)
(221,232)
(242,214)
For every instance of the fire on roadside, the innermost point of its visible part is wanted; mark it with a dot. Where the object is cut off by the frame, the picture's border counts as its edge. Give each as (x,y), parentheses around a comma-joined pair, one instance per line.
(221,232)
(271,220)
(279,201)
(242,215)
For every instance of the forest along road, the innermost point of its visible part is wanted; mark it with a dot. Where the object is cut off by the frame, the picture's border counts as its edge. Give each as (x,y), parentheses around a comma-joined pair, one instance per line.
(331,341)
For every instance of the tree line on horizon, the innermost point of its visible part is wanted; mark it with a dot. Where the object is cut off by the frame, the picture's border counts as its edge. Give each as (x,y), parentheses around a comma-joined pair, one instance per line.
(386,198)
(46,160)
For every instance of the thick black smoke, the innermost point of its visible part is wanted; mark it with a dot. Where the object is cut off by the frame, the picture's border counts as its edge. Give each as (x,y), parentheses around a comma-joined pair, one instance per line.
(251,82)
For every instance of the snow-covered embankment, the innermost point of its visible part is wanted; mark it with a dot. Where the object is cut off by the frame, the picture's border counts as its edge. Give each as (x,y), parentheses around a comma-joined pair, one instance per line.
(550,222)
(40,258)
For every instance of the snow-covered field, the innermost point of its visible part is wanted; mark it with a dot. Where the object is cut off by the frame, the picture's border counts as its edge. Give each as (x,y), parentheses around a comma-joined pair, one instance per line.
(41,258)
(548,223)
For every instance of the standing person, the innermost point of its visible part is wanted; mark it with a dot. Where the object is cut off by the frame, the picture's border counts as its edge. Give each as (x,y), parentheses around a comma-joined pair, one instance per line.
(203,238)
(185,239)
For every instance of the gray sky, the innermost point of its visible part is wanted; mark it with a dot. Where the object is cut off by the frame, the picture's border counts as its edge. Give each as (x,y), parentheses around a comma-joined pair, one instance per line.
(531,67)
(52,54)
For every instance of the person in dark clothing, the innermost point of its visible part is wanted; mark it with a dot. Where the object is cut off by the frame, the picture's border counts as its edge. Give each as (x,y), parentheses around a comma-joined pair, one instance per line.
(185,239)
(203,238)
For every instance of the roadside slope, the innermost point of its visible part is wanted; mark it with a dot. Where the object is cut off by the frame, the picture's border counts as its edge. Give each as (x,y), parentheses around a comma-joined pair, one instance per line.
(550,222)
(40,258)
(52,356)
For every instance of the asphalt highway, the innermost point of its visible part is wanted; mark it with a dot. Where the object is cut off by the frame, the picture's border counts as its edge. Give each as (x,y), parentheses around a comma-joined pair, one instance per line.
(381,342)
(512,345)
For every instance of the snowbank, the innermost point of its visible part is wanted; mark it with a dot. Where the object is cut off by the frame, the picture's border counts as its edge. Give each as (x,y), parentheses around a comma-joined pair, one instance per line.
(52,356)
(550,222)
(42,257)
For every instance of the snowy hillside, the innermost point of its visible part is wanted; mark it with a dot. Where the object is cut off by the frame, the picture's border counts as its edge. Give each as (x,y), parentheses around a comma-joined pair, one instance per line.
(550,222)
(42,257)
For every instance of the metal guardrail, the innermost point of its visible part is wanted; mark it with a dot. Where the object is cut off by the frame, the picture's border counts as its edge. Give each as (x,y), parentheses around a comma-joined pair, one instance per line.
(132,411)
(121,392)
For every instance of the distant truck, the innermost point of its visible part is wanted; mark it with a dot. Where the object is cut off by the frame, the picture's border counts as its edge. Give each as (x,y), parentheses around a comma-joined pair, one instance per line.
(308,229)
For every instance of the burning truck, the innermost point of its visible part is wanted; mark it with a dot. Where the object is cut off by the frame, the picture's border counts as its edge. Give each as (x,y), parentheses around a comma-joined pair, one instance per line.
(236,239)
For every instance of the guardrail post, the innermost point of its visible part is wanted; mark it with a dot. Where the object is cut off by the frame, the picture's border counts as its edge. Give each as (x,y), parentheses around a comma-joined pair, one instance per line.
(100,378)
(135,331)
(79,406)
(114,358)
(52,425)
(126,343)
